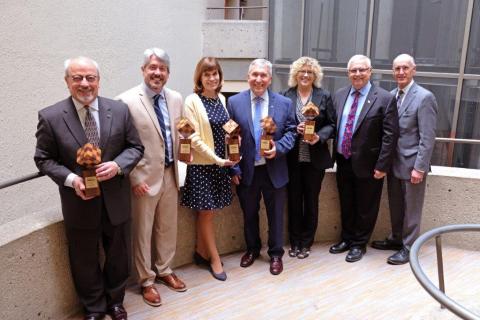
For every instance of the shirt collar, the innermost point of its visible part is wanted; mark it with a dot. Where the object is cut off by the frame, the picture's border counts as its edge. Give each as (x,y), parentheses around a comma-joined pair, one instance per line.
(150,93)
(79,106)
(407,88)
(264,96)
(363,91)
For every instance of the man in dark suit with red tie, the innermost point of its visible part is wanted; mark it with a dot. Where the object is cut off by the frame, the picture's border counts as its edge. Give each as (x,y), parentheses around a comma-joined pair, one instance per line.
(367,133)
(63,128)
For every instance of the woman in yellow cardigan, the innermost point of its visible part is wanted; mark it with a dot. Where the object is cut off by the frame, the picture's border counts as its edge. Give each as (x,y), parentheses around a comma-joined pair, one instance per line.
(208,183)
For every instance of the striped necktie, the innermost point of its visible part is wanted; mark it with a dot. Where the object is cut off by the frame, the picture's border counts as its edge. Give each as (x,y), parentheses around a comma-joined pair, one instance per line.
(91,130)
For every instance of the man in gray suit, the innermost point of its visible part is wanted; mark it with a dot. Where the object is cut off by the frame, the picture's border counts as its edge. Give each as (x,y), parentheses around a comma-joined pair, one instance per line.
(417,111)
(62,129)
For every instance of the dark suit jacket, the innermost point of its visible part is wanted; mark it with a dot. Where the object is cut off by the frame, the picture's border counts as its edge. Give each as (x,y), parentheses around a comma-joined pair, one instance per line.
(282,112)
(376,132)
(325,124)
(60,134)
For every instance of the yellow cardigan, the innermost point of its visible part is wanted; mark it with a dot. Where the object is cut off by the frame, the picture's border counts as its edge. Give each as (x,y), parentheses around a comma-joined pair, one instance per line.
(202,140)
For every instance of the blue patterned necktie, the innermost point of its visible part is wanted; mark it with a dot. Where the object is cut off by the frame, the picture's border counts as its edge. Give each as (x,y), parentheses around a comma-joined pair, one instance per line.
(161,122)
(257,127)
(399,98)
(348,133)
(91,130)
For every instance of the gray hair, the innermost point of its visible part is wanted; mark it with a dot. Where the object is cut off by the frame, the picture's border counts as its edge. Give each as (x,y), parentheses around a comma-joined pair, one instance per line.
(359,58)
(69,61)
(407,57)
(262,63)
(156,52)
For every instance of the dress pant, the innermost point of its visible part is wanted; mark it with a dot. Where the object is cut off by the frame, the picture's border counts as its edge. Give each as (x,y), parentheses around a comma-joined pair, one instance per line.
(406,203)
(155,230)
(274,199)
(359,202)
(305,182)
(100,288)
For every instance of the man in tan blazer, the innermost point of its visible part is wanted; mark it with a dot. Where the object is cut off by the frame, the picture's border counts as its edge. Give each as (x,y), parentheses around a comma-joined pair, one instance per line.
(155,110)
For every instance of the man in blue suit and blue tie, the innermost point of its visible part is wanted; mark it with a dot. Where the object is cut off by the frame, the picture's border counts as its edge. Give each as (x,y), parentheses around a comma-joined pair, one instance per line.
(267,176)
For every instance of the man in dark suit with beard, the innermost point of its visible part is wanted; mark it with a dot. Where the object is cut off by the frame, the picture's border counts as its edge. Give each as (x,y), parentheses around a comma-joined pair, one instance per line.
(63,128)
(367,133)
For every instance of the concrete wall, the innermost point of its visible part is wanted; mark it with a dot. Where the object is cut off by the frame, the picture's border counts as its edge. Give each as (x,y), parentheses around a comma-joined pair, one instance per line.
(37,36)
(35,280)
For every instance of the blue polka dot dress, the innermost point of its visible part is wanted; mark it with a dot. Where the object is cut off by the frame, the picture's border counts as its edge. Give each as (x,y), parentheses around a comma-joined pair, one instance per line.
(208,187)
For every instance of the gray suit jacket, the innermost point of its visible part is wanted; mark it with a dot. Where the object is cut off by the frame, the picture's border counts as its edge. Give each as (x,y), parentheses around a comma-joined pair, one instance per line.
(417,121)
(60,134)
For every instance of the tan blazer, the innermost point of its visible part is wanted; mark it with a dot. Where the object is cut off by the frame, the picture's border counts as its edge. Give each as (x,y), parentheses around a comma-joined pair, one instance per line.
(151,167)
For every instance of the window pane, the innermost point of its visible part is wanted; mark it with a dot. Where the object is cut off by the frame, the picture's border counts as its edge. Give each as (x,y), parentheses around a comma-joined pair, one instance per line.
(431,31)
(469,114)
(473,54)
(466,156)
(285,31)
(335,30)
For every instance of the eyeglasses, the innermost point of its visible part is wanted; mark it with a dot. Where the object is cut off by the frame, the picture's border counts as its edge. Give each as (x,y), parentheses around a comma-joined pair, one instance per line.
(359,70)
(79,78)
(305,72)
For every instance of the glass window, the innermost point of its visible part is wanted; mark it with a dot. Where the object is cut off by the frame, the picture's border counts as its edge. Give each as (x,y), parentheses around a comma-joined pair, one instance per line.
(473,54)
(469,114)
(466,156)
(431,31)
(335,30)
(285,31)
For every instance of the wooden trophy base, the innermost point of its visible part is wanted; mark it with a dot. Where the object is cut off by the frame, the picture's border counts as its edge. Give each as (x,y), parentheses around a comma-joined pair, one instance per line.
(185,150)
(233,149)
(265,144)
(92,188)
(309,133)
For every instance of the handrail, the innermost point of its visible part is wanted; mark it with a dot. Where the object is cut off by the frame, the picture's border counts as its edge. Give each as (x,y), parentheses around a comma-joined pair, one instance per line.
(241,9)
(15,181)
(439,294)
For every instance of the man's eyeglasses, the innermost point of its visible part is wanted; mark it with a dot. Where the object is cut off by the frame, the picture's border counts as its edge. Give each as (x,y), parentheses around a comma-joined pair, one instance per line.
(78,78)
(359,70)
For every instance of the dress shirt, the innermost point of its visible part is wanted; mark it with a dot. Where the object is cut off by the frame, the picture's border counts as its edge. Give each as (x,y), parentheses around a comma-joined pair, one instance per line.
(265,102)
(346,110)
(162,102)
(82,114)
(405,90)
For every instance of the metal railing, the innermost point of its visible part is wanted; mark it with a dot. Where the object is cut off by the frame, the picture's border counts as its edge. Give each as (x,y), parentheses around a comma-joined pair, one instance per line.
(439,293)
(15,181)
(241,13)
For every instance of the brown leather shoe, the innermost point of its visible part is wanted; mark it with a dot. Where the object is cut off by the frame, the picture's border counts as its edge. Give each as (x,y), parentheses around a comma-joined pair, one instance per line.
(151,296)
(276,265)
(248,258)
(172,282)
(117,312)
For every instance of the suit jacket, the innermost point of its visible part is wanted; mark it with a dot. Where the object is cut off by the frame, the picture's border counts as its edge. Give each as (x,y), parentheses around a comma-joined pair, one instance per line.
(417,120)
(151,167)
(325,124)
(281,110)
(375,134)
(60,134)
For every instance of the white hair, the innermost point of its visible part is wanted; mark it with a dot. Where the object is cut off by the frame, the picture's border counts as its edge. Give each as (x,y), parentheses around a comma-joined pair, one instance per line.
(405,56)
(262,63)
(359,58)
(156,52)
(69,61)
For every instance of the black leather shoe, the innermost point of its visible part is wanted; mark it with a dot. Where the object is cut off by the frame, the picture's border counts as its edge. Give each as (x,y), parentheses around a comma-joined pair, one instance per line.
(304,253)
(248,258)
(400,257)
(386,244)
(276,265)
(94,316)
(199,260)
(340,247)
(355,254)
(293,251)
(117,312)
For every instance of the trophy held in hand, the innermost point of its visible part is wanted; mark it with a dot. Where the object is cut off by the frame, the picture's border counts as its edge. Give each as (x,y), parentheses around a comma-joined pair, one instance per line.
(269,127)
(88,157)
(185,128)
(310,111)
(233,145)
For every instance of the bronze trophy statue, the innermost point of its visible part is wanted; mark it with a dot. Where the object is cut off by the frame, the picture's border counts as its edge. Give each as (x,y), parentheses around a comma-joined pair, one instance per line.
(232,140)
(185,128)
(310,111)
(88,157)
(269,127)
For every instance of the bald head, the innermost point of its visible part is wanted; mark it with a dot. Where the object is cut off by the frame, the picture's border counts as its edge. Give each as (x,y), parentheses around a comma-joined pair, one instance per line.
(404,70)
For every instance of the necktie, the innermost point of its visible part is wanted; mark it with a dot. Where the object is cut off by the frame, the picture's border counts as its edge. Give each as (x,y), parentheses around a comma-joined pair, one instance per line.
(91,130)
(257,128)
(161,122)
(399,98)
(348,133)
